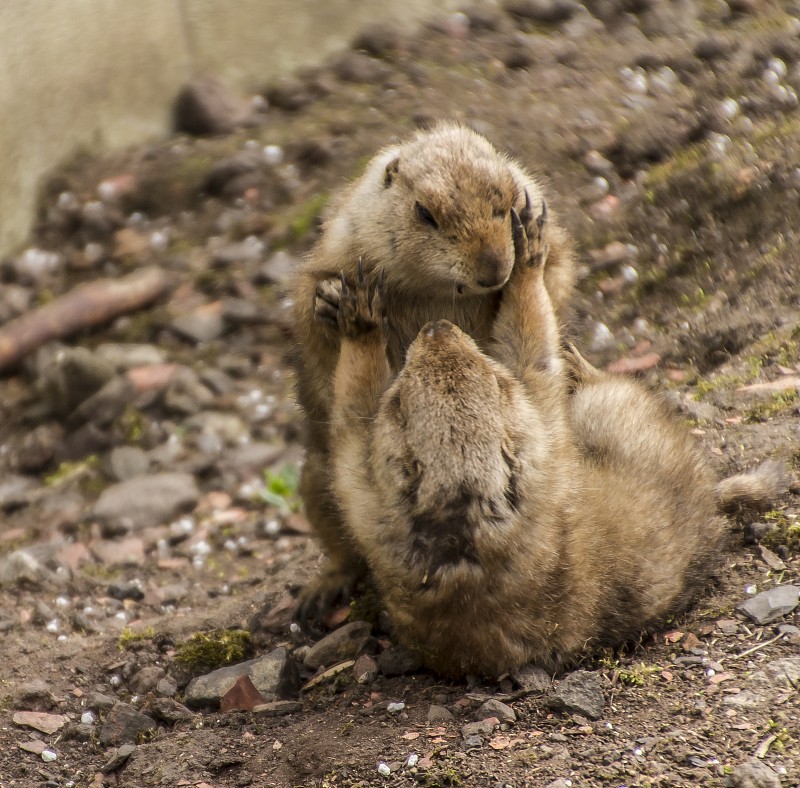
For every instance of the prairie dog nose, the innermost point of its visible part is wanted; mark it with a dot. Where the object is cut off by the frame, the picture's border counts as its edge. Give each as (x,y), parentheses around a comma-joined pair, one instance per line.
(492,268)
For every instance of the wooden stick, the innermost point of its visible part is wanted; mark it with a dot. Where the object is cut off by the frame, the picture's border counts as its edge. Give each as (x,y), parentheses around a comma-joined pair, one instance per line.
(85,306)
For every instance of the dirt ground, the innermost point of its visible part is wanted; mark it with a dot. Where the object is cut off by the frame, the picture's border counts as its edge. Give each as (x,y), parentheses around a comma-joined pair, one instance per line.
(669,136)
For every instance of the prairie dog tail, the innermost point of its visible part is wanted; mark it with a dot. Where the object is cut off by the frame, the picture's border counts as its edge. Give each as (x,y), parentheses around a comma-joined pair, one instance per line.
(756,489)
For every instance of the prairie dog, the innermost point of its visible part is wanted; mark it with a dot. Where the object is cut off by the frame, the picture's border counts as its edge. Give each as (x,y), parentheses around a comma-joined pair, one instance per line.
(514,512)
(434,214)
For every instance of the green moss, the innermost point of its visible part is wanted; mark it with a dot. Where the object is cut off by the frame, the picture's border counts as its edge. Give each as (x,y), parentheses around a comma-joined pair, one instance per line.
(128,637)
(306,217)
(634,676)
(786,532)
(280,489)
(207,651)
(71,470)
(776,404)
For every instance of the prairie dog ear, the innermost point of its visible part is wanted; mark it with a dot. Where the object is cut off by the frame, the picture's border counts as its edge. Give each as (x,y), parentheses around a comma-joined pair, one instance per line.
(392,169)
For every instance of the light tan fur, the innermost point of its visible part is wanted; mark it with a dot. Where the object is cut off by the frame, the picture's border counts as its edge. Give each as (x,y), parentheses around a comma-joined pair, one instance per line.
(455,270)
(514,512)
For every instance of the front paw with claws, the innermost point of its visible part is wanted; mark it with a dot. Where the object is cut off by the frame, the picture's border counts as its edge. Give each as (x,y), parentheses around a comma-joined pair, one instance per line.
(530,235)
(361,309)
(326,300)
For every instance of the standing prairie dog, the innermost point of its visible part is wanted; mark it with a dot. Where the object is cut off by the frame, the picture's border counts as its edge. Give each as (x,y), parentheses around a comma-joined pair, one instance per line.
(515,512)
(434,214)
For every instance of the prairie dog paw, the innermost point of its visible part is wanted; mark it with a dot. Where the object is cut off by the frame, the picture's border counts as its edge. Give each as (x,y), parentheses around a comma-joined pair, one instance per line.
(530,235)
(326,300)
(361,308)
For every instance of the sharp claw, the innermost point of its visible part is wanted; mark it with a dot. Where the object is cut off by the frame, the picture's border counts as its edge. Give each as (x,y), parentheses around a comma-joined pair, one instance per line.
(542,218)
(517,233)
(525,216)
(345,288)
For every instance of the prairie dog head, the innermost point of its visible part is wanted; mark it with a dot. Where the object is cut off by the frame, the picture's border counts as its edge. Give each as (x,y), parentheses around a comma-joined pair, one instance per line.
(449,195)
(442,428)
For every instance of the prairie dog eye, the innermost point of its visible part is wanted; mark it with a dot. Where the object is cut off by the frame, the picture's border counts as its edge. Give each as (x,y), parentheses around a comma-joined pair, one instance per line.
(425,215)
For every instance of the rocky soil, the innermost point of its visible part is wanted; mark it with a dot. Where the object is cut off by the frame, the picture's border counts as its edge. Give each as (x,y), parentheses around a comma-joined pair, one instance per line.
(148,453)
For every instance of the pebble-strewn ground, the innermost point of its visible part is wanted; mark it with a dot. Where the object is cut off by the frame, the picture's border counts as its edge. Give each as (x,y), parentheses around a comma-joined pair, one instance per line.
(148,465)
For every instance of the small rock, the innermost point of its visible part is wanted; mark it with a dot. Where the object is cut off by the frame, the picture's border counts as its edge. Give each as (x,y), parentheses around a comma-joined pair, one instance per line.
(34,695)
(206,105)
(36,746)
(125,462)
(496,708)
(278,269)
(360,68)
(753,774)
(231,177)
(203,324)
(397,660)
(118,758)
(185,394)
(278,708)
(250,250)
(126,552)
(131,590)
(146,679)
(14,490)
(38,447)
(472,742)
(439,714)
(100,702)
(123,356)
(167,687)
(615,253)
(579,693)
(344,643)
(170,711)
(551,12)
(532,679)
(289,93)
(123,725)
(365,670)
(273,675)
(771,605)
(784,671)
(78,731)
(378,39)
(20,568)
(242,696)
(46,723)
(634,364)
(145,500)
(72,375)
(483,727)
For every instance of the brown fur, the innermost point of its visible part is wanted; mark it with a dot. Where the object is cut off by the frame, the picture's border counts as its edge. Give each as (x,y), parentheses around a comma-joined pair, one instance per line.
(516,512)
(430,273)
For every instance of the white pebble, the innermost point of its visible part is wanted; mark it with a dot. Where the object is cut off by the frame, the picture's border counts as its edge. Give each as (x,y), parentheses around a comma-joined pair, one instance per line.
(750,590)
(48,755)
(263,411)
(159,240)
(710,672)
(630,274)
(115,681)
(294,628)
(121,616)
(201,548)
(393,708)
(62,601)
(770,77)
(88,718)
(53,625)
(67,201)
(273,154)
(62,638)
(383,769)
(602,338)
(182,527)
(229,545)
(638,751)
(729,108)
(272,527)
(412,759)
(198,562)
(609,726)
(601,184)
(778,66)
